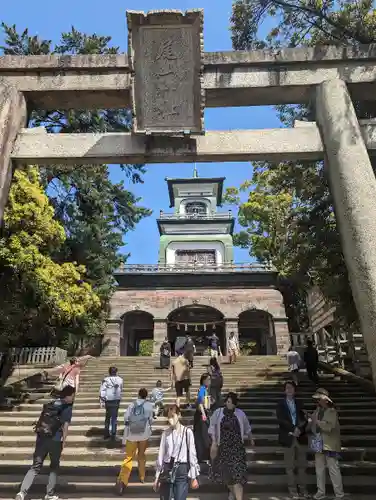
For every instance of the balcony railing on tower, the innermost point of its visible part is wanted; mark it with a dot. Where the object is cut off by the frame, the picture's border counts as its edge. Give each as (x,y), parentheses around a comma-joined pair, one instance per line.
(195,268)
(195,216)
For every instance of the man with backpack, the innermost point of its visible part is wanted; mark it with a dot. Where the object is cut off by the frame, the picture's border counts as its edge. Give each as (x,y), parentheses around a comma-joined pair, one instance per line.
(51,430)
(110,396)
(138,419)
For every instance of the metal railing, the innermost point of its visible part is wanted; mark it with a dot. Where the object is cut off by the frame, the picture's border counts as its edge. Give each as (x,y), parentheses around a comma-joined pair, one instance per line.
(198,216)
(195,268)
(36,355)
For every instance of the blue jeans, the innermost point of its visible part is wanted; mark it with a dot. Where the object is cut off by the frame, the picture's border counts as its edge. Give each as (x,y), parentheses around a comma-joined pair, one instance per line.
(178,490)
(44,446)
(112,410)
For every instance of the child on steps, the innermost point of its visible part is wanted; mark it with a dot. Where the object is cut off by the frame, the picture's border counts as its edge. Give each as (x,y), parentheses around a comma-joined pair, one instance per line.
(157,396)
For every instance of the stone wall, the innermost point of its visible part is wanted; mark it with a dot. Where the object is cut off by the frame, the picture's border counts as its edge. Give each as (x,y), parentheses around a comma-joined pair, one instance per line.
(160,303)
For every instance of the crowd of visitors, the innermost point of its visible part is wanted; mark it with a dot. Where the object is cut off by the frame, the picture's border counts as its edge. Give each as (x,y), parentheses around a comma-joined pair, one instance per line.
(217,442)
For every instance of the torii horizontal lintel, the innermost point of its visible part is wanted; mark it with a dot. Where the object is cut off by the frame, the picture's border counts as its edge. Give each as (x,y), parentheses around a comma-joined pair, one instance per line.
(295,144)
(235,78)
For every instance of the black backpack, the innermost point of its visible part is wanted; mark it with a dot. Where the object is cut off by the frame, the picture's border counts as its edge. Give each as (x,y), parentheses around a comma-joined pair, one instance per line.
(49,422)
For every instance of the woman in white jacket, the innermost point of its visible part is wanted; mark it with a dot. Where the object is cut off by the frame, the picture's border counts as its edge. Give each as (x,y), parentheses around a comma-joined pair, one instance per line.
(229,429)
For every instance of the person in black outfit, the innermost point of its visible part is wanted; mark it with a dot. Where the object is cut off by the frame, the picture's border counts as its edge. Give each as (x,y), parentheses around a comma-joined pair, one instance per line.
(189,351)
(292,422)
(311,360)
(165,355)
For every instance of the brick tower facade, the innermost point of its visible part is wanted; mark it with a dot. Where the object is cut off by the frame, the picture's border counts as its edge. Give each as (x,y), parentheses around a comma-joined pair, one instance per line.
(196,287)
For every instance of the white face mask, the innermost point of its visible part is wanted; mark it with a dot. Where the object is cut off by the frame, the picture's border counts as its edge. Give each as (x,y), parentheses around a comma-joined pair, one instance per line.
(173,421)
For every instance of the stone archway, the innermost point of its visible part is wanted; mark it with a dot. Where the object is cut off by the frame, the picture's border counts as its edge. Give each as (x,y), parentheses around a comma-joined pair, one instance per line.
(198,321)
(256,328)
(136,326)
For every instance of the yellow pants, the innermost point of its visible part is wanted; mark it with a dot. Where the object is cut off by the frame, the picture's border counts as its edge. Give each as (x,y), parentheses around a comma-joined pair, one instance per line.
(130,451)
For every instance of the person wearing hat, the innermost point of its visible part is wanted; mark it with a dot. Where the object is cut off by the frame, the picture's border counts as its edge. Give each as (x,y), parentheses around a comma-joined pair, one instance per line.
(326,444)
(292,437)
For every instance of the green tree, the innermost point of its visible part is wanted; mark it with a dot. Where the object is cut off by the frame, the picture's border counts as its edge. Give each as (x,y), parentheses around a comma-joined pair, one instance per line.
(269,217)
(96,213)
(314,253)
(49,294)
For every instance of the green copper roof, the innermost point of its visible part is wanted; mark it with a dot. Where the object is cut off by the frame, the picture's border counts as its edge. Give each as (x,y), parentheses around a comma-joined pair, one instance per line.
(195,180)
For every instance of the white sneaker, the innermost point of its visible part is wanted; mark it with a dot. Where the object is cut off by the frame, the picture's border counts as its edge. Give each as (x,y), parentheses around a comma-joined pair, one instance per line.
(51,497)
(20,496)
(319,496)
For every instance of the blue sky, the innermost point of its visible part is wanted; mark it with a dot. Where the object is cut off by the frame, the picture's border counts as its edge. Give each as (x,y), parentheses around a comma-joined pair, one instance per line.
(49,19)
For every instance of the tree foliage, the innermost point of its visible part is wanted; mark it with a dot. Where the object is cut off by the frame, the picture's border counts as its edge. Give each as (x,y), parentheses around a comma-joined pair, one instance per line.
(303,234)
(95,212)
(57,291)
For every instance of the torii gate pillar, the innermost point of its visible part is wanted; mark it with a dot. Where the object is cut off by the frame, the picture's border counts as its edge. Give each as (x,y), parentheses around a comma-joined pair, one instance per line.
(353,187)
(13,116)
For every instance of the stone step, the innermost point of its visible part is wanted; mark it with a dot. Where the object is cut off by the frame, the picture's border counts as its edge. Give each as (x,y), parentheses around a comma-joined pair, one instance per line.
(90,464)
(261,372)
(154,360)
(269,392)
(360,418)
(247,404)
(253,413)
(258,388)
(90,482)
(194,495)
(34,408)
(258,467)
(153,376)
(147,495)
(198,367)
(93,436)
(243,392)
(111,453)
(246,399)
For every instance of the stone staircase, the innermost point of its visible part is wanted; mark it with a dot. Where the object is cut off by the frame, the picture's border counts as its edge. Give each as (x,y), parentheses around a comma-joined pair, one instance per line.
(90,465)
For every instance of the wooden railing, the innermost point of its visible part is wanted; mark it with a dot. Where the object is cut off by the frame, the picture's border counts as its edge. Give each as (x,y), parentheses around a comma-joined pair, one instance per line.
(337,351)
(36,356)
(330,351)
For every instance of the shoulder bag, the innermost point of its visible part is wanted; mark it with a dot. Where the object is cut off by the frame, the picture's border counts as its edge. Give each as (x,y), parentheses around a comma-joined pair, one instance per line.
(61,383)
(169,469)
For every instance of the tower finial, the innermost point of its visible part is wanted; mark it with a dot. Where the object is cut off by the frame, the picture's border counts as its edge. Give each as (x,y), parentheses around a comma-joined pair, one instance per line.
(195,172)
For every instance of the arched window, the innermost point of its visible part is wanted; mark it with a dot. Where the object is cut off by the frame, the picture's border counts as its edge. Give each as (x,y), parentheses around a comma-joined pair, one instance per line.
(195,208)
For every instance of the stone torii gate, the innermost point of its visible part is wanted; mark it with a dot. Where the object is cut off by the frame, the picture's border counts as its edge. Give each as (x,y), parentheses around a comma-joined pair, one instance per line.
(167,80)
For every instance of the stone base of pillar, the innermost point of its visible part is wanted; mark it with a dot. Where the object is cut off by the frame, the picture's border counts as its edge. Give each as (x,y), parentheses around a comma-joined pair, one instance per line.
(111,339)
(362,365)
(282,336)
(160,333)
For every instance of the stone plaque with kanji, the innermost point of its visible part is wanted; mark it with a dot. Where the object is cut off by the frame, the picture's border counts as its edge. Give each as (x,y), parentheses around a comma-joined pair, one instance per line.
(165,51)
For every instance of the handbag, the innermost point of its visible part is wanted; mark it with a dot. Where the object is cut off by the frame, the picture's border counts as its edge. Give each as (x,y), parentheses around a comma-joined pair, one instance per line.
(168,472)
(316,443)
(60,384)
